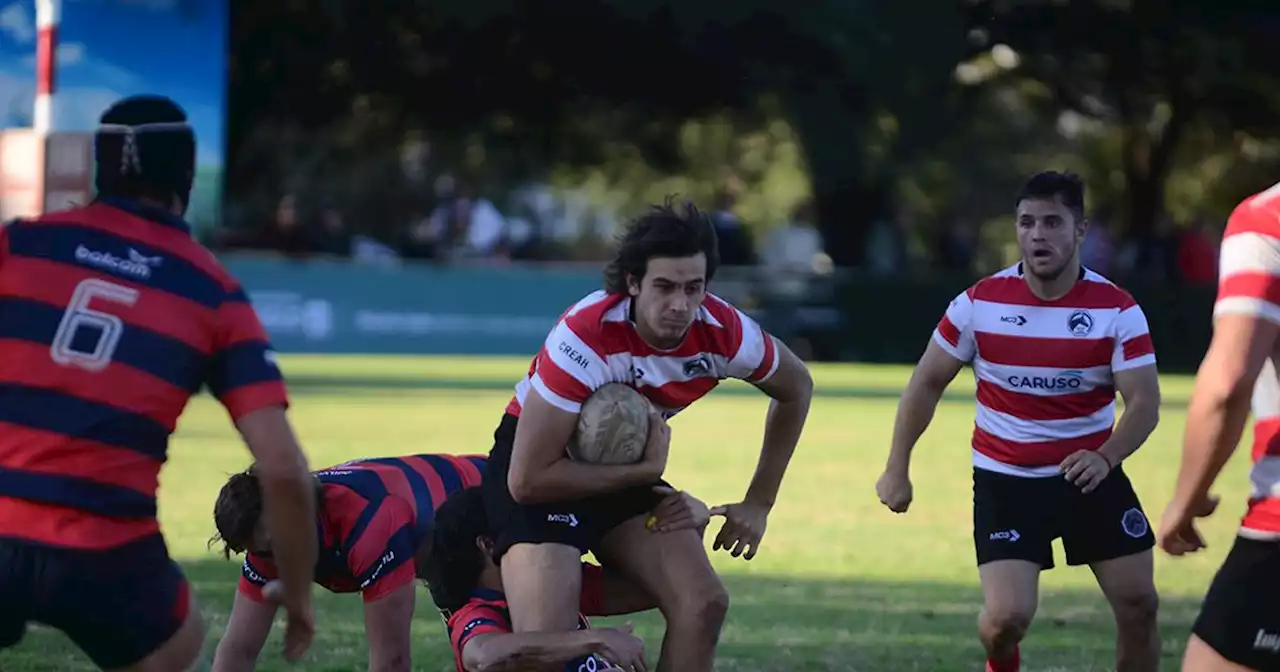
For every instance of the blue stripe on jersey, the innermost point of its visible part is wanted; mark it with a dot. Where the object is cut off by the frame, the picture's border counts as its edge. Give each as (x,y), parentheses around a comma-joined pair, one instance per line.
(426,508)
(367,484)
(164,357)
(242,364)
(60,243)
(402,545)
(449,475)
(53,411)
(481,463)
(77,493)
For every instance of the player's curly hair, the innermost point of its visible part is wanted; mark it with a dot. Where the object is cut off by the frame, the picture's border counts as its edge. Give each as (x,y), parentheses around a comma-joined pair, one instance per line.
(238,510)
(1050,184)
(456,561)
(668,230)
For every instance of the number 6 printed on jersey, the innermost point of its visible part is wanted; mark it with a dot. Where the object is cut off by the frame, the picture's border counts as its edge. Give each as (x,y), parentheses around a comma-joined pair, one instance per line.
(79,315)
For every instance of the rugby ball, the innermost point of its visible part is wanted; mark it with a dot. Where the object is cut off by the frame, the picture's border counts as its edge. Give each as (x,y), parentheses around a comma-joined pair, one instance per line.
(613,426)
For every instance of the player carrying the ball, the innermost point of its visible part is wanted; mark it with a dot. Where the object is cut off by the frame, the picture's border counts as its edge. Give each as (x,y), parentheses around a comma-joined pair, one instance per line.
(654,326)
(1051,342)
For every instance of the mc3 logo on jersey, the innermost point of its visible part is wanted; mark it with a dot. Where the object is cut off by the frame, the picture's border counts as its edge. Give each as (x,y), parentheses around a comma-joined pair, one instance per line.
(566,518)
(1015,320)
(1065,380)
(1080,323)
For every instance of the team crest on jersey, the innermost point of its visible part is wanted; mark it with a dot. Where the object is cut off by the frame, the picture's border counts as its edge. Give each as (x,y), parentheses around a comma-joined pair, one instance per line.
(1080,323)
(697,367)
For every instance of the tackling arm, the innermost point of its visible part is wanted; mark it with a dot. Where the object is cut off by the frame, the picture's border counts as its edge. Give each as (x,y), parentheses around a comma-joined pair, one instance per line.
(516,651)
(246,634)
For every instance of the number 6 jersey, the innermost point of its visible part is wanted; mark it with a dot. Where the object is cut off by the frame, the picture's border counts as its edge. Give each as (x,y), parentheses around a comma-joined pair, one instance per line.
(111,318)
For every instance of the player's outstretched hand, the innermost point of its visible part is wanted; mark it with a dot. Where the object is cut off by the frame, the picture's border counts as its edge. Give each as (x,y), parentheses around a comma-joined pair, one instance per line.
(1086,469)
(622,648)
(744,526)
(894,490)
(1178,534)
(300,621)
(677,511)
(658,445)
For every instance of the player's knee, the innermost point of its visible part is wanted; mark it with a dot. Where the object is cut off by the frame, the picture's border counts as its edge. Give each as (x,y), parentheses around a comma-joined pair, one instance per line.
(704,608)
(1004,626)
(1136,608)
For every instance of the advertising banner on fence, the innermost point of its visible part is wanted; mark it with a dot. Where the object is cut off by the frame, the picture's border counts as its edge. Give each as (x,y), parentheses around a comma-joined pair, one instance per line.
(336,307)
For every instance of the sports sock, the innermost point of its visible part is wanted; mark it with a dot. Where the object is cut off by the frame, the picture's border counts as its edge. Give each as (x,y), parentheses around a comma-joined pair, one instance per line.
(1012,664)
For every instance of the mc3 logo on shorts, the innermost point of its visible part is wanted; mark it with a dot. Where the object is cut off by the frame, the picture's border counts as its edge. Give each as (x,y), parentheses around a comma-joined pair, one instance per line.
(1134,523)
(1065,380)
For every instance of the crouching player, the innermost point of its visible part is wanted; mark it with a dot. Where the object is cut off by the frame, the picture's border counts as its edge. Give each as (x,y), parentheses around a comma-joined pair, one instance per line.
(467,587)
(374,523)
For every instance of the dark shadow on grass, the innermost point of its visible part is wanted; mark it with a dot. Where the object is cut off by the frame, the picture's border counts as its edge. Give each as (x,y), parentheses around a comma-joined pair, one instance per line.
(775,624)
(327,385)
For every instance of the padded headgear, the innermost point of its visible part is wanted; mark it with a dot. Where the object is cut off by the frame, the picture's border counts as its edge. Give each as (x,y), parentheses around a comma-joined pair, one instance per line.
(144,146)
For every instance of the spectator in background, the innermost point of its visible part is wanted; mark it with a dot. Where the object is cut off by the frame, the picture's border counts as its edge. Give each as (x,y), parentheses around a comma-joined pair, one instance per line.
(1198,254)
(957,245)
(334,238)
(788,258)
(1099,246)
(886,253)
(287,236)
(736,246)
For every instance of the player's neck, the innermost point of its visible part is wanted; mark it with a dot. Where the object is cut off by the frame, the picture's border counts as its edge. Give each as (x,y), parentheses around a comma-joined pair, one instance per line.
(490,579)
(1052,290)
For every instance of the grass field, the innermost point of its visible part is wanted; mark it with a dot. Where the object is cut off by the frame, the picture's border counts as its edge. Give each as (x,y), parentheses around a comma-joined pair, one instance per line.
(840,583)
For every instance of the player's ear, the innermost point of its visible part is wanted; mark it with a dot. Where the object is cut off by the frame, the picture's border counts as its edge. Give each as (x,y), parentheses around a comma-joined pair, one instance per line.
(633,285)
(485,544)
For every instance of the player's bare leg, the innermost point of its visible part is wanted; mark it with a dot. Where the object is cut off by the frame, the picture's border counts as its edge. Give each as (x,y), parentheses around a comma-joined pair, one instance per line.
(181,652)
(1129,584)
(1200,657)
(673,567)
(543,586)
(1010,595)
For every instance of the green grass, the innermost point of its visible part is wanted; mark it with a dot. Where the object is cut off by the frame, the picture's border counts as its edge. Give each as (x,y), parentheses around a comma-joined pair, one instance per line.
(840,583)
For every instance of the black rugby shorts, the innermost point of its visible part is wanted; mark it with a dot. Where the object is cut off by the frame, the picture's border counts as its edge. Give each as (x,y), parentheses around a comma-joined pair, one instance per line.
(1240,617)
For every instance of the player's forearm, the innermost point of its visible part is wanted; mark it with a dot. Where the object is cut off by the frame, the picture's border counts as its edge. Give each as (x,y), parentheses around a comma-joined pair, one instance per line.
(230,657)
(518,651)
(782,428)
(289,506)
(566,479)
(1135,426)
(915,411)
(1215,423)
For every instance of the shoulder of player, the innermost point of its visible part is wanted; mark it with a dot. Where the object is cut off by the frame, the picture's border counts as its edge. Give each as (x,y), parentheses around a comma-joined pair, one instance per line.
(589,313)
(1258,214)
(492,610)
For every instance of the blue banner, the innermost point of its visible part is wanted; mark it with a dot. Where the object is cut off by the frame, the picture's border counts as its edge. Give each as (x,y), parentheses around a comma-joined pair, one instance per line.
(338,307)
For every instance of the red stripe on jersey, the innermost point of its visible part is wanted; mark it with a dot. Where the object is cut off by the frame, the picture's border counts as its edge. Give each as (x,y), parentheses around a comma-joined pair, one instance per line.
(249,398)
(560,381)
(1043,407)
(1263,515)
(1252,217)
(38,451)
(243,322)
(435,484)
(49,282)
(681,393)
(1054,353)
(766,362)
(1138,346)
(1036,454)
(591,602)
(132,391)
(55,525)
(470,472)
(1251,285)
(1266,438)
(1085,295)
(948,331)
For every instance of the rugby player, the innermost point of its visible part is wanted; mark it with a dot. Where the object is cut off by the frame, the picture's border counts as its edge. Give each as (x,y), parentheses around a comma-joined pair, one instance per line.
(1239,623)
(1051,342)
(374,529)
(467,587)
(654,326)
(111,317)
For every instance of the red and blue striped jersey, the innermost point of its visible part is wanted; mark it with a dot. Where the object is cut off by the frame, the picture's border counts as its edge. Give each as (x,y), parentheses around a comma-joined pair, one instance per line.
(111,318)
(375,515)
(487,613)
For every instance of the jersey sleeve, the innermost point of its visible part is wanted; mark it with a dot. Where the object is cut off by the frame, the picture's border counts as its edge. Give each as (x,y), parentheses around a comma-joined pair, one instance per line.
(381,552)
(254,574)
(755,355)
(244,375)
(954,333)
(1249,275)
(1133,347)
(475,618)
(569,367)
(592,600)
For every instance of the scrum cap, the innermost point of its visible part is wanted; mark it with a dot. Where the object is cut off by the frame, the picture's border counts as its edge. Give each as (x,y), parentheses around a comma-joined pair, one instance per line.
(145,147)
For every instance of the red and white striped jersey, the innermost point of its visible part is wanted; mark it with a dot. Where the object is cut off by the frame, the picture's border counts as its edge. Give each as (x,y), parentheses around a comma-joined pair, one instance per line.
(596,342)
(1249,284)
(1045,369)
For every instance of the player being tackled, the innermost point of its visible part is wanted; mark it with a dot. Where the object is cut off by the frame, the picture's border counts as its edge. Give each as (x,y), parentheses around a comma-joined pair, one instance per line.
(656,328)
